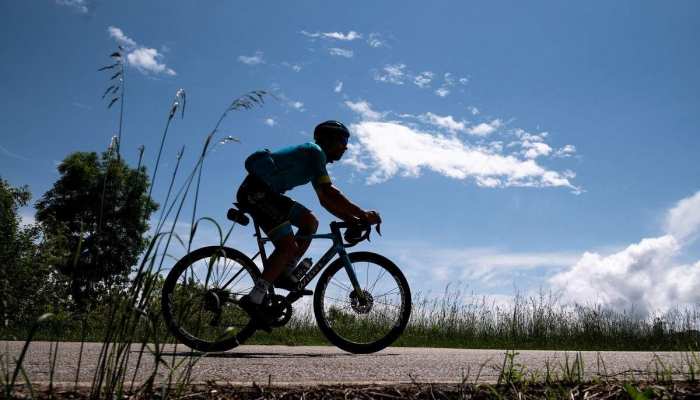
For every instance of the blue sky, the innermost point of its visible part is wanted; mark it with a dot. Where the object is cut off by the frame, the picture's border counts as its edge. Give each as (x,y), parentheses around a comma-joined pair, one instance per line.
(506,145)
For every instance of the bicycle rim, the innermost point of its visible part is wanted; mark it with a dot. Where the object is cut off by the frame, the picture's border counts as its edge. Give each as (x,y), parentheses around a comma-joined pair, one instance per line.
(366,323)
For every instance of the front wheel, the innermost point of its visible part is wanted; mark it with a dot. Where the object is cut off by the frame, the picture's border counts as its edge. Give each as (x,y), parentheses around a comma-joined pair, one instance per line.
(363,322)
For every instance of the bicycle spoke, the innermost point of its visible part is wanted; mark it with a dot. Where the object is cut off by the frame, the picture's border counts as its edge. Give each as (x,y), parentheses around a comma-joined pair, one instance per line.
(387,293)
(377,280)
(340,285)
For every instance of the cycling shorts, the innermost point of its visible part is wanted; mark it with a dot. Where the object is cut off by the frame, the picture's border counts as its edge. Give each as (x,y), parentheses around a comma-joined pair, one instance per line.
(274,212)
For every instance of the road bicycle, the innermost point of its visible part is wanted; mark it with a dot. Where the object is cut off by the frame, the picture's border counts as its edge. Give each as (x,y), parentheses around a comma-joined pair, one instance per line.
(361,302)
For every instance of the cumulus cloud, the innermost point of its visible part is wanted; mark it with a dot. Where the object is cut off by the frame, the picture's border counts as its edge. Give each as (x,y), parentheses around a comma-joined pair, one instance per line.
(683,220)
(120,37)
(644,276)
(566,151)
(270,122)
(364,109)
(394,149)
(338,87)
(145,59)
(336,51)
(447,122)
(79,6)
(485,128)
(255,59)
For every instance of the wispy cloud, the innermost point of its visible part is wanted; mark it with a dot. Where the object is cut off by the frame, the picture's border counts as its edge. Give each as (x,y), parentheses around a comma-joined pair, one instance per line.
(423,79)
(80,6)
(10,154)
(442,92)
(336,51)
(145,59)
(375,40)
(645,276)
(351,35)
(392,73)
(255,59)
(338,87)
(293,67)
(447,122)
(270,122)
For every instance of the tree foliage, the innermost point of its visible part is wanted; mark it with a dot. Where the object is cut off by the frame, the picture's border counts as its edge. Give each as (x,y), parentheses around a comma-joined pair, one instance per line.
(94,219)
(24,280)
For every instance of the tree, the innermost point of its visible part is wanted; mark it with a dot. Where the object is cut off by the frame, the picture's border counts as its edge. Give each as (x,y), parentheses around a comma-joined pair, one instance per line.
(23,279)
(94,220)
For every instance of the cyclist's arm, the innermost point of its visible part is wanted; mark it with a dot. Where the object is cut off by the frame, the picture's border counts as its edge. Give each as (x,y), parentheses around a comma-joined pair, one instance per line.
(337,204)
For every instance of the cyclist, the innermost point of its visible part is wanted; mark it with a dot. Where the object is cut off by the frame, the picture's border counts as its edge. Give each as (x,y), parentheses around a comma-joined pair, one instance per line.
(270,174)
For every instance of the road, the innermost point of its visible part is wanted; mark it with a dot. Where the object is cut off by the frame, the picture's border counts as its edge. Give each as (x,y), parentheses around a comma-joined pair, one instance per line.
(281,365)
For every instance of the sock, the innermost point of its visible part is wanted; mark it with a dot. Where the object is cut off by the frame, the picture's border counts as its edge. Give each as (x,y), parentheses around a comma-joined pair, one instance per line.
(259,291)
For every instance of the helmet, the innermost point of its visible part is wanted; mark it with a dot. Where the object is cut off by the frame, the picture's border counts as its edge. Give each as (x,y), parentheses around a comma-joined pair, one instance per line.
(330,129)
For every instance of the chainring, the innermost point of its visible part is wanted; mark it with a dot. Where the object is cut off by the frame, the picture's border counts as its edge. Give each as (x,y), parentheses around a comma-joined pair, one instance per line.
(283,310)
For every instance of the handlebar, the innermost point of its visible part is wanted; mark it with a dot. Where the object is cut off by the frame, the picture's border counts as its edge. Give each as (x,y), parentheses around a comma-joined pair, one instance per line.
(359,231)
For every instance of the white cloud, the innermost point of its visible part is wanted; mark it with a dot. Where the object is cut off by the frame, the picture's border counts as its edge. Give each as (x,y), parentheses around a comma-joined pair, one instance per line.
(683,220)
(463,81)
(255,59)
(270,122)
(391,149)
(364,109)
(423,79)
(566,151)
(536,149)
(447,122)
(120,37)
(392,74)
(473,110)
(375,41)
(336,51)
(442,92)
(352,35)
(145,59)
(485,128)
(298,105)
(644,276)
(294,67)
(338,87)
(78,5)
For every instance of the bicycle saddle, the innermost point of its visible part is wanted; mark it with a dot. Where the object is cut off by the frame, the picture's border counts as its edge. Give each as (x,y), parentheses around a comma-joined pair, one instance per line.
(236,215)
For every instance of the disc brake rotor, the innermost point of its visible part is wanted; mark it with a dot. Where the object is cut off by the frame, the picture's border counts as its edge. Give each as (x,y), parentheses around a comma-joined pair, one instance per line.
(361,304)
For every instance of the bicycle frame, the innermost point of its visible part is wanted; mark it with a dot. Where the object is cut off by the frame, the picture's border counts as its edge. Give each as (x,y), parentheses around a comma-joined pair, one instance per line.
(336,248)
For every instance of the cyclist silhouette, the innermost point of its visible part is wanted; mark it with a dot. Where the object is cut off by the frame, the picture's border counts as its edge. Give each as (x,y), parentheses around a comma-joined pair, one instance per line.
(270,174)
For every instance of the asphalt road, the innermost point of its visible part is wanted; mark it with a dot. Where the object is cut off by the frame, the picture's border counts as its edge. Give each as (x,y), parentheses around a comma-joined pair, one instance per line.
(282,365)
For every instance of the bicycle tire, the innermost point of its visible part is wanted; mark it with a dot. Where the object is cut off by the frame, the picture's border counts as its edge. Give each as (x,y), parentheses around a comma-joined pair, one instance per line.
(326,326)
(169,286)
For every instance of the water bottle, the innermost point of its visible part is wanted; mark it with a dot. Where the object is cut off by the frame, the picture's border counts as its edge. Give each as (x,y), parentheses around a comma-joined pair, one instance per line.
(302,268)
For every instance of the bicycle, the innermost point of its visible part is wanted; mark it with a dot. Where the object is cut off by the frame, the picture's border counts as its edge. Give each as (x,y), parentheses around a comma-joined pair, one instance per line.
(355,312)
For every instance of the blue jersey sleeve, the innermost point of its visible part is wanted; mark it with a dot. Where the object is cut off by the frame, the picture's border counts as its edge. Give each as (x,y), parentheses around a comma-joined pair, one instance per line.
(319,174)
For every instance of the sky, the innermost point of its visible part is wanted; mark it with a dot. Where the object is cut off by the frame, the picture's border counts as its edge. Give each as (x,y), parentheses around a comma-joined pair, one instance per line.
(509,147)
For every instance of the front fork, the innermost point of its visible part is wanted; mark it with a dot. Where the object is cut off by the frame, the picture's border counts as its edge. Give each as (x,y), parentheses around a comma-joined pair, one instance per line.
(351,271)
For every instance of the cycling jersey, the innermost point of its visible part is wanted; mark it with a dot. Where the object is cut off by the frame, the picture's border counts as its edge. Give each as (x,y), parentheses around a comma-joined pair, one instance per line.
(290,167)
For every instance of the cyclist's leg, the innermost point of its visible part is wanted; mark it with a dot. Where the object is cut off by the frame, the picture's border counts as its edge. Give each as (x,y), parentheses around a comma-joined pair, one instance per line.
(307,223)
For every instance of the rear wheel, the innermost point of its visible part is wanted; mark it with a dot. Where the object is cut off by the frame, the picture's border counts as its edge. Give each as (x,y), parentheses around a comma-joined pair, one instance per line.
(365,322)
(200,298)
